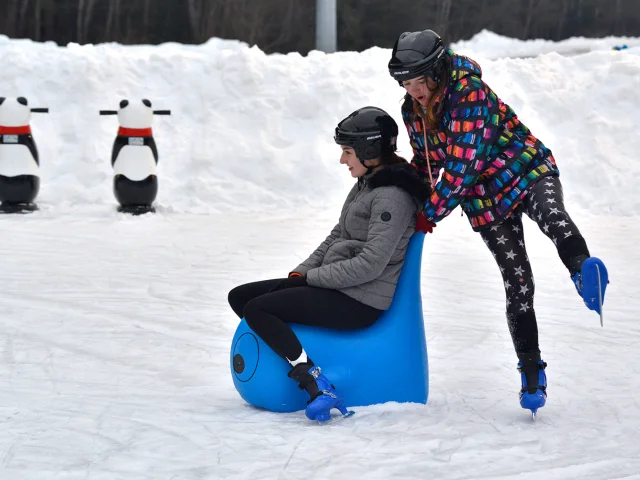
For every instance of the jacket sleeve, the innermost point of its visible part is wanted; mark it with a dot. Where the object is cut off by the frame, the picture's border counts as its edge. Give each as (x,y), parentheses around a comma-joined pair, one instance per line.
(392,211)
(473,130)
(316,258)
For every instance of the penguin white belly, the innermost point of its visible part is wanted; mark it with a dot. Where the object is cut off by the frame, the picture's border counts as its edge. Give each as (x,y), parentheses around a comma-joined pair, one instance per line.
(135,163)
(17,160)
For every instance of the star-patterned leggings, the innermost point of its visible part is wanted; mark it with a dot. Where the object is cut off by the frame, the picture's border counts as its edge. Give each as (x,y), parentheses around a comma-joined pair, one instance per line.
(544,205)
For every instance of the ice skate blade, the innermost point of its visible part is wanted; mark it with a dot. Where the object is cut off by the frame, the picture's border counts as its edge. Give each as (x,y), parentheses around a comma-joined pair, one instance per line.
(595,279)
(328,419)
(600,296)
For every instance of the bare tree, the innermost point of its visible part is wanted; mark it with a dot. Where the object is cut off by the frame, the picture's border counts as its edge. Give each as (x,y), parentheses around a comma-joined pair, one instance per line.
(281,33)
(113,16)
(619,17)
(23,13)
(195,8)
(80,21)
(566,6)
(443,17)
(288,25)
(531,10)
(37,20)
(46,19)
(146,15)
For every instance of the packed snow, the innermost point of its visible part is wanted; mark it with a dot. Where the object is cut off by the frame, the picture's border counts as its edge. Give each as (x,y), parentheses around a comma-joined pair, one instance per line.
(115,332)
(487,44)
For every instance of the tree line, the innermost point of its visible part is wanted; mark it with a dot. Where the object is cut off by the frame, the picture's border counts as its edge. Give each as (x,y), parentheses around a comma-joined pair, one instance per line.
(289,25)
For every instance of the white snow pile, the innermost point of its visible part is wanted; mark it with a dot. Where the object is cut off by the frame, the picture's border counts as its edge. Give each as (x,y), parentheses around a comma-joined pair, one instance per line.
(490,45)
(251,131)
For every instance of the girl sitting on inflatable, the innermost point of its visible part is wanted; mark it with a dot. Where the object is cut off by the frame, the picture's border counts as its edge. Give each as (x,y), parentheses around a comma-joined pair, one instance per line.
(350,279)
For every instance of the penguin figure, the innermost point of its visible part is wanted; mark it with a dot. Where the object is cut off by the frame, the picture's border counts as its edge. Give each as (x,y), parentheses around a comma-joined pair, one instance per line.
(19,162)
(134,157)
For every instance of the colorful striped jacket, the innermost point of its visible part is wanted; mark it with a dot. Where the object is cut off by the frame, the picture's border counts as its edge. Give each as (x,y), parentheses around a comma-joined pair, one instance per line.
(490,158)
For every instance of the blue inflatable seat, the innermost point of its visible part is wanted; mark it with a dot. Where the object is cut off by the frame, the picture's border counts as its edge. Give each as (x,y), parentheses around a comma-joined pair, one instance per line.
(386,362)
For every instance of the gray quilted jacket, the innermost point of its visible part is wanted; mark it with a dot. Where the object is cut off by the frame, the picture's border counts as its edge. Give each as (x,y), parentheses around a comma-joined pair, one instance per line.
(365,251)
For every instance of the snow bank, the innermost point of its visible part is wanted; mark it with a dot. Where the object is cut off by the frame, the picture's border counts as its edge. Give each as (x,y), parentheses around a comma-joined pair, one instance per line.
(493,46)
(254,132)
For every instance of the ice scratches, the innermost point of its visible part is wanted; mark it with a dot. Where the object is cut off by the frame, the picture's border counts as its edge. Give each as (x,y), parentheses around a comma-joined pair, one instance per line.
(125,375)
(5,459)
(479,415)
(7,351)
(292,454)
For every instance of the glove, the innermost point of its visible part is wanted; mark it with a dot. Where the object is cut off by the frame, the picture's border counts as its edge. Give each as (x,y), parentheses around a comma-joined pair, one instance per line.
(423,225)
(290,282)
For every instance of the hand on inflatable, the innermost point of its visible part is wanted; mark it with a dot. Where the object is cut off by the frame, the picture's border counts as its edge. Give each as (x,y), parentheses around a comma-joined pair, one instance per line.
(423,225)
(290,282)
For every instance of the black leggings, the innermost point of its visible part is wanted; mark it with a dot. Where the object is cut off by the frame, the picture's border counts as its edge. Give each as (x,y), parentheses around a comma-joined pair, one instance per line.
(545,206)
(269,313)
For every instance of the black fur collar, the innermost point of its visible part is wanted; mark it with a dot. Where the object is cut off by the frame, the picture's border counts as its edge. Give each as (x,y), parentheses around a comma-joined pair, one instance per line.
(401,175)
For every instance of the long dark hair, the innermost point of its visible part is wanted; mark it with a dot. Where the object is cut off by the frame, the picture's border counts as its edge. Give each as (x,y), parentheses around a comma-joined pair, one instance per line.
(430,116)
(391,158)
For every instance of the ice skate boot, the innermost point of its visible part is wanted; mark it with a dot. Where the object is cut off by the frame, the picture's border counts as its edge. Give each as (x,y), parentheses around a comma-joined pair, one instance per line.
(533,394)
(323,395)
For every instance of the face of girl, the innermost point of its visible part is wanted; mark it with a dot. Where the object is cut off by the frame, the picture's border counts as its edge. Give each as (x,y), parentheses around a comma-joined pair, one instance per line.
(356,168)
(420,88)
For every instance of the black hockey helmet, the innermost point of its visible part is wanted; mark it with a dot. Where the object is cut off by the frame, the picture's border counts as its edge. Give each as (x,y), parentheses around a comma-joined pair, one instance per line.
(416,54)
(370,131)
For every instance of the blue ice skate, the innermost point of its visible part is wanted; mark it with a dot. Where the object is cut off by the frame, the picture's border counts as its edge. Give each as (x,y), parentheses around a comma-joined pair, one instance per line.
(323,394)
(533,395)
(591,283)
(319,408)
